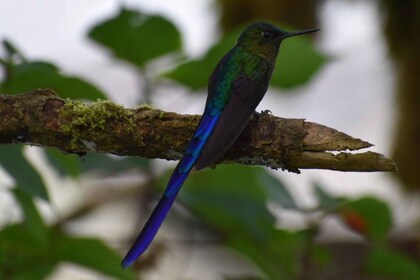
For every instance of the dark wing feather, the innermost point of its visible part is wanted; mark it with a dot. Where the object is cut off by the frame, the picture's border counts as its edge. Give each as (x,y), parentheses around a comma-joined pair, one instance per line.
(246,94)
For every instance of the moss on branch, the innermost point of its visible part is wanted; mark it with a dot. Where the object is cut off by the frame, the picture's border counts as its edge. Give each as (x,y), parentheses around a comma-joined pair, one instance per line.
(42,118)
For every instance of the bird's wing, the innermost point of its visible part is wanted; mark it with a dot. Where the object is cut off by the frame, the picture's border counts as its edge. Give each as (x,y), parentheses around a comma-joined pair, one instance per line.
(246,94)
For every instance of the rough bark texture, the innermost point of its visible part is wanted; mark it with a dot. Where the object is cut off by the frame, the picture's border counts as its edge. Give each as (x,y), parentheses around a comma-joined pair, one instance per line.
(42,118)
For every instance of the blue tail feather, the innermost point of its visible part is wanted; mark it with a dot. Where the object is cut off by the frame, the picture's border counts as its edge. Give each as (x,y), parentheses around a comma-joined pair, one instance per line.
(144,239)
(206,126)
(153,224)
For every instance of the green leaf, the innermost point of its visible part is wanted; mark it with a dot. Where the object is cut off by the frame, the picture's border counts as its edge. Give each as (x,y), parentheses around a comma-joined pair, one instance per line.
(39,74)
(11,50)
(195,73)
(391,264)
(231,192)
(90,253)
(32,219)
(31,251)
(277,191)
(26,177)
(15,240)
(297,62)
(40,271)
(22,255)
(23,247)
(137,37)
(236,194)
(278,257)
(64,164)
(369,216)
(325,200)
(320,255)
(106,164)
(74,165)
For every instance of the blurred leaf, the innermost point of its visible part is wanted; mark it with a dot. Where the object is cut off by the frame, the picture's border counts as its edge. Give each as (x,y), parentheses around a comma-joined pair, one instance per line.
(391,264)
(278,256)
(11,50)
(38,74)
(277,191)
(24,247)
(137,37)
(90,253)
(15,239)
(8,46)
(231,192)
(195,73)
(107,164)
(73,165)
(321,255)
(325,200)
(22,256)
(25,176)
(244,278)
(39,271)
(236,194)
(32,220)
(297,62)
(64,164)
(368,216)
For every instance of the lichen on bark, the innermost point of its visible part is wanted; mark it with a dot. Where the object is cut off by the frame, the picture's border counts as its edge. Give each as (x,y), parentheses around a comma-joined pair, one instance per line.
(42,118)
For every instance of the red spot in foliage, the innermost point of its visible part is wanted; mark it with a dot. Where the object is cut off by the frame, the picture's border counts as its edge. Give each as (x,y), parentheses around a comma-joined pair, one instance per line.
(354,221)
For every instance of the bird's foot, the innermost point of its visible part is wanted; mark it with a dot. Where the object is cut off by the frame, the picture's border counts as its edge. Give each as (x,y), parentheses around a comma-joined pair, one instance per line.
(266,112)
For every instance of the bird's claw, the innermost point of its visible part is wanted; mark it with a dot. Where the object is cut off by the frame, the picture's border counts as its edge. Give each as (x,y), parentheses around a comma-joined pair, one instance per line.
(266,112)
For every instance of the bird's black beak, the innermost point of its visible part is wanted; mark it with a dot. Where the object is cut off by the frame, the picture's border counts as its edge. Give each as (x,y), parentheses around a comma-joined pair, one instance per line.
(296,33)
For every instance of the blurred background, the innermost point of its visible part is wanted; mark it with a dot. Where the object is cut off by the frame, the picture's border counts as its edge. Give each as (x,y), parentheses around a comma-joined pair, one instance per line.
(69,217)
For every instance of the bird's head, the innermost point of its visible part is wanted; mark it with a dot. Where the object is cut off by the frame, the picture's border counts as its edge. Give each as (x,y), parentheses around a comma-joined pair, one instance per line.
(264,38)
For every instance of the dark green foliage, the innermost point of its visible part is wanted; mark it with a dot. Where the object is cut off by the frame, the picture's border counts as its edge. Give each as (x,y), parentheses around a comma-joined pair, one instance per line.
(391,264)
(33,222)
(237,194)
(234,193)
(22,75)
(31,250)
(297,63)
(195,73)
(368,216)
(91,253)
(277,191)
(326,201)
(27,76)
(103,164)
(137,37)
(25,175)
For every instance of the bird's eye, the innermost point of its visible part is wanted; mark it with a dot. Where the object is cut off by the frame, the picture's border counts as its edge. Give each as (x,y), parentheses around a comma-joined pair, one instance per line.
(267,34)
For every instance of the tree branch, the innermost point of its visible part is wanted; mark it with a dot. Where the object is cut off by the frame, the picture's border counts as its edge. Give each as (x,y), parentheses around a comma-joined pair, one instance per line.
(42,118)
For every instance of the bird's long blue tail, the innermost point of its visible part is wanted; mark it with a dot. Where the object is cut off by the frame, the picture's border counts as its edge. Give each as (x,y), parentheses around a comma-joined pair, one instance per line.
(175,183)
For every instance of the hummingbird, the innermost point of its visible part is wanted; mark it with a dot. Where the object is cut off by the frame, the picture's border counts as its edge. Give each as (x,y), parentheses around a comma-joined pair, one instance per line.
(235,88)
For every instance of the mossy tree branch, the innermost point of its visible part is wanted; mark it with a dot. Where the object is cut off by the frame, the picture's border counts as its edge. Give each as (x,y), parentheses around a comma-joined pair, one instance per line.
(42,118)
